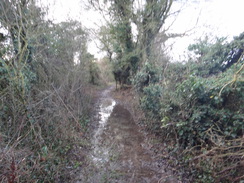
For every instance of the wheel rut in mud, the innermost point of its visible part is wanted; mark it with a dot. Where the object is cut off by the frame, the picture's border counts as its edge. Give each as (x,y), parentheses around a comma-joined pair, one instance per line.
(119,149)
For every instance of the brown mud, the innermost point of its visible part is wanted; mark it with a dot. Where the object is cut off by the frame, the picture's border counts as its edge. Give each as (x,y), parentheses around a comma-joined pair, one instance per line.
(120,151)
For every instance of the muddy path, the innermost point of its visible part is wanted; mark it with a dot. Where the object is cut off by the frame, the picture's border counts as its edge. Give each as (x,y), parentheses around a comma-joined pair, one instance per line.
(119,150)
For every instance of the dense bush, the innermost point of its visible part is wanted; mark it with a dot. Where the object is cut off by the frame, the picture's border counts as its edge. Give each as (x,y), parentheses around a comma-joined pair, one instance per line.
(198,106)
(94,72)
(149,74)
(45,96)
(204,116)
(215,56)
(151,93)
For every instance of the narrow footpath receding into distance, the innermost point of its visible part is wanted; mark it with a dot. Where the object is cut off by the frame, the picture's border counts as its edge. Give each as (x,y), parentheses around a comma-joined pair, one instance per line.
(119,149)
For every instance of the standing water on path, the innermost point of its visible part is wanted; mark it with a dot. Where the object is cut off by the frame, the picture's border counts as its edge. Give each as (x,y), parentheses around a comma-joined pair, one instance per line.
(120,152)
(101,153)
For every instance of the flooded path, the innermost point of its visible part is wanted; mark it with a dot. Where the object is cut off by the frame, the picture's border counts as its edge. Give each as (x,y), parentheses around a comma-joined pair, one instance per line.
(119,153)
(101,151)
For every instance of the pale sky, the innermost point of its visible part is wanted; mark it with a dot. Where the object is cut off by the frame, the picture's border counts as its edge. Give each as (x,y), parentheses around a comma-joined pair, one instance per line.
(215,17)
(220,18)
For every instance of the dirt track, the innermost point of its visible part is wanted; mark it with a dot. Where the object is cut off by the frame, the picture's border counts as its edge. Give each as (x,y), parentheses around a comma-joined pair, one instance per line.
(119,150)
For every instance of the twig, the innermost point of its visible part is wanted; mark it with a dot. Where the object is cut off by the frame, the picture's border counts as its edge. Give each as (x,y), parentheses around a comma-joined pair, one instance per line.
(234,77)
(66,106)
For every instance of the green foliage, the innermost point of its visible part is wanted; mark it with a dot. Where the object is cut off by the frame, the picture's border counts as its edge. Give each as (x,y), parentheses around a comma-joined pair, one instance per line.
(150,101)
(146,82)
(202,121)
(198,106)
(45,96)
(106,67)
(126,60)
(128,47)
(94,73)
(16,83)
(122,35)
(211,56)
(149,74)
(215,56)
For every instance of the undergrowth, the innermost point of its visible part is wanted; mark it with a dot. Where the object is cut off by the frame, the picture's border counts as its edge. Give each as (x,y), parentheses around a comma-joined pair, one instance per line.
(45,96)
(202,117)
(40,125)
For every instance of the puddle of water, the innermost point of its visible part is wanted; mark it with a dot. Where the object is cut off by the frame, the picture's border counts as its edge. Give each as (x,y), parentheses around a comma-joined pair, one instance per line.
(119,153)
(101,152)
